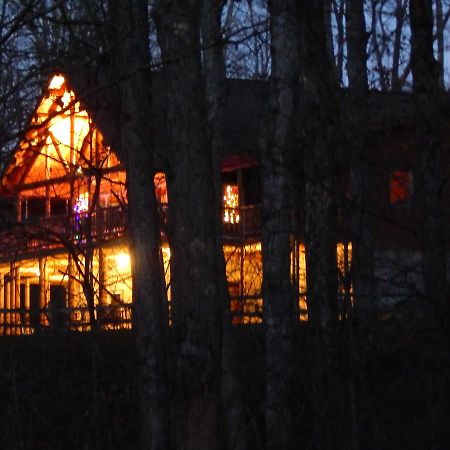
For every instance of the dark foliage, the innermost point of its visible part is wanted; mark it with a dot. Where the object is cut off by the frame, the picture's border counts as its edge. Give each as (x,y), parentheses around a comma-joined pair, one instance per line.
(77,391)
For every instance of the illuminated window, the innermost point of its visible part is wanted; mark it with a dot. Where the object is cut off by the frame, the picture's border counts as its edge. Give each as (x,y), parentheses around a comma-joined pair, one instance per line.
(82,203)
(160,187)
(231,203)
(244,275)
(344,253)
(298,276)
(400,187)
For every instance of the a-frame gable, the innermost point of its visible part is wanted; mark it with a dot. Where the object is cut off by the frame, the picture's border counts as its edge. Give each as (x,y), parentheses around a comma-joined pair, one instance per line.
(61,140)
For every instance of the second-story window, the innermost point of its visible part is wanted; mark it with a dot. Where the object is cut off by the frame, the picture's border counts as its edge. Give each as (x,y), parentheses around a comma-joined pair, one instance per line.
(231,203)
(160,188)
(401,188)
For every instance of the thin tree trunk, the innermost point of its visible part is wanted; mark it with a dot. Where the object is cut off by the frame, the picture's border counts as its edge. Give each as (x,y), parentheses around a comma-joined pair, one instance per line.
(196,283)
(319,124)
(440,42)
(214,70)
(362,265)
(376,46)
(429,164)
(278,293)
(361,220)
(150,321)
(338,6)
(400,13)
(319,129)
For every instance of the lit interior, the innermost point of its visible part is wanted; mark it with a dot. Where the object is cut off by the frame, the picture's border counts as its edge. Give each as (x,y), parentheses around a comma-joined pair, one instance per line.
(231,203)
(53,169)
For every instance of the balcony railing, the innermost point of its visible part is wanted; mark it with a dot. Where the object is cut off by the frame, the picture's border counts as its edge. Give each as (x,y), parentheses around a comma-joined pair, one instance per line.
(52,233)
(21,321)
(48,233)
(244,222)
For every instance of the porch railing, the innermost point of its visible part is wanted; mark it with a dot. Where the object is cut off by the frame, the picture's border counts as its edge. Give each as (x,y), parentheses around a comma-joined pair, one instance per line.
(55,232)
(47,233)
(244,222)
(21,321)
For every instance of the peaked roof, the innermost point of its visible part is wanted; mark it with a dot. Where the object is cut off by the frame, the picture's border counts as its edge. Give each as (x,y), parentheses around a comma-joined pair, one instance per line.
(55,141)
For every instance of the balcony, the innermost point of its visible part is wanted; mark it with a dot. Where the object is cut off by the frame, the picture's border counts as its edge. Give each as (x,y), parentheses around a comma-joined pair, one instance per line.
(49,234)
(22,321)
(242,223)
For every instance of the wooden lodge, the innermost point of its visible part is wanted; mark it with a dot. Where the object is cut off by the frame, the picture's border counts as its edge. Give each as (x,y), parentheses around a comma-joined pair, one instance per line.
(64,260)
(63,242)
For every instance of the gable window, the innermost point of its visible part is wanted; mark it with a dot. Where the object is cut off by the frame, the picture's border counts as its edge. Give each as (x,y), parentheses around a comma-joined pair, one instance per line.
(400,188)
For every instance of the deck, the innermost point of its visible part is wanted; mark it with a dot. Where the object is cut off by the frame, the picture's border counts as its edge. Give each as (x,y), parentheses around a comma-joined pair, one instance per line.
(22,240)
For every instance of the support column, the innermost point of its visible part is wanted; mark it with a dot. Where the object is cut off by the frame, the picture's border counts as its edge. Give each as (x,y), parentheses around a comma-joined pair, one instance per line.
(42,289)
(72,289)
(19,208)
(27,304)
(2,299)
(12,301)
(17,318)
(102,278)
(7,292)
(7,300)
(47,202)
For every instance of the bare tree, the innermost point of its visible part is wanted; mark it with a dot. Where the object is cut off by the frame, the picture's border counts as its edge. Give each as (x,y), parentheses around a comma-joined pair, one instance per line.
(429,164)
(197,285)
(362,221)
(214,72)
(319,126)
(277,187)
(150,314)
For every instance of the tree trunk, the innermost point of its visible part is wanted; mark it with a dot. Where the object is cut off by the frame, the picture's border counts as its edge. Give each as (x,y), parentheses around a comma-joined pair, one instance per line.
(400,13)
(440,39)
(150,321)
(319,124)
(429,164)
(278,293)
(214,71)
(361,193)
(196,283)
(317,109)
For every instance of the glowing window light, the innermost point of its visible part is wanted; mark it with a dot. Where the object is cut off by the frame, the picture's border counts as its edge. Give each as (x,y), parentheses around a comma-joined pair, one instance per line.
(123,262)
(231,203)
(57,82)
(160,187)
(82,203)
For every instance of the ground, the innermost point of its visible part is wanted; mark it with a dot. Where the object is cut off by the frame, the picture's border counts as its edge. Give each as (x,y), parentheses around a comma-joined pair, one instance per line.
(77,391)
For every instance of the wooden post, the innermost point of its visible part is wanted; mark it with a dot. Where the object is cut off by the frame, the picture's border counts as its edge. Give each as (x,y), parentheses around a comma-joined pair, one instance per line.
(2,298)
(47,201)
(102,278)
(7,305)
(7,292)
(12,301)
(17,318)
(42,288)
(71,289)
(19,208)
(27,305)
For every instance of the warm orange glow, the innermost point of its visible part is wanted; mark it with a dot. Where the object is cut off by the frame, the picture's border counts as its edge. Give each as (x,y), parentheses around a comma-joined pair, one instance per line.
(161,187)
(123,261)
(231,203)
(57,82)
(82,203)
(344,261)
(303,306)
(244,275)
(400,187)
